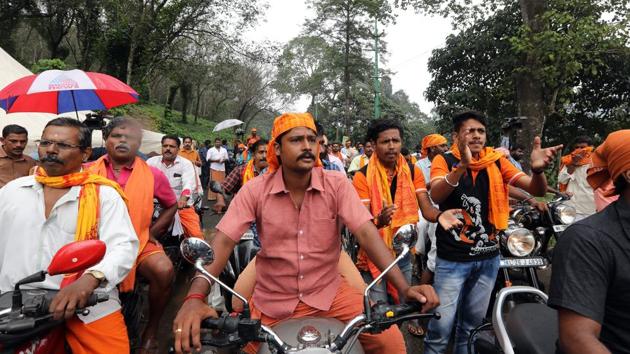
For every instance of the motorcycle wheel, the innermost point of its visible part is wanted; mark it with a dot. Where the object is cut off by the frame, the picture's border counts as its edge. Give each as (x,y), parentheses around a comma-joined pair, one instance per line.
(134,309)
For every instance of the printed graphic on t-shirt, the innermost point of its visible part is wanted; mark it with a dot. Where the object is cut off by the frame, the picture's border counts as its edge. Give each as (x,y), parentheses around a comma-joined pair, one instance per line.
(473,232)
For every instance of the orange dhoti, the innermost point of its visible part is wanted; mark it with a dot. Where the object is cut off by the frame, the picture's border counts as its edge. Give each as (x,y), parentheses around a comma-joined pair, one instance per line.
(190,222)
(217,176)
(106,335)
(348,303)
(151,248)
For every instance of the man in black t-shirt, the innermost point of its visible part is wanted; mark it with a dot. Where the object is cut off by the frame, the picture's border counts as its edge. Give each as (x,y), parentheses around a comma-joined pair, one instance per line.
(590,282)
(473,178)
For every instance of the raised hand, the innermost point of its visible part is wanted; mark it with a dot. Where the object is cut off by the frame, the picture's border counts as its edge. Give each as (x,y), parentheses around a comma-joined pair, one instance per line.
(541,158)
(462,144)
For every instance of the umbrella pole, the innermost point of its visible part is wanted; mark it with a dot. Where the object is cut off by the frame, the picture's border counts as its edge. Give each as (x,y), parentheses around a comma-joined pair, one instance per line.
(75,104)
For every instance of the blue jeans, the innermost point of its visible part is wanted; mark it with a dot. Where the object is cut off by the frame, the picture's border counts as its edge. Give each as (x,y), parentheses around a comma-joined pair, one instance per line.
(464,289)
(379,291)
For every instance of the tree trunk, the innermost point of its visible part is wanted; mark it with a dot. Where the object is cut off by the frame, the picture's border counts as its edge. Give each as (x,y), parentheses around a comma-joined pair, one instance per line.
(346,74)
(185,101)
(529,87)
(130,61)
(172,92)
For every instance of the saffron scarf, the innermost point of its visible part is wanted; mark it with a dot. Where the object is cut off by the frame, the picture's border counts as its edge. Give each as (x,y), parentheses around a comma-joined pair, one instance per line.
(610,159)
(498,190)
(431,140)
(139,189)
(249,172)
(380,195)
(568,159)
(283,124)
(89,208)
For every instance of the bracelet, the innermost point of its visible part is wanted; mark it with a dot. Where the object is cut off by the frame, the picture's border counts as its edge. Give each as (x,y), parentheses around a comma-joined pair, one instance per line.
(538,172)
(437,218)
(195,296)
(202,277)
(449,183)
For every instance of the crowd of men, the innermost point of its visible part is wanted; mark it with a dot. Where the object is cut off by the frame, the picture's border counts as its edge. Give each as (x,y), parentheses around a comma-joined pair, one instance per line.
(294,192)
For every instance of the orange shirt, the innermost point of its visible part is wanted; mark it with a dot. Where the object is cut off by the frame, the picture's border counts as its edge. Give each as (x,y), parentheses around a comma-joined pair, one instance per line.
(252,139)
(360,184)
(192,155)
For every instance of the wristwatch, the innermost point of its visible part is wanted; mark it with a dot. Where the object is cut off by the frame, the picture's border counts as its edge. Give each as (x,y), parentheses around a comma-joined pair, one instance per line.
(100,276)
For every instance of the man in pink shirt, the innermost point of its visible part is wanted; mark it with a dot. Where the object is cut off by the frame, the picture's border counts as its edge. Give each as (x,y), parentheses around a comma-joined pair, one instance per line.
(141,183)
(298,208)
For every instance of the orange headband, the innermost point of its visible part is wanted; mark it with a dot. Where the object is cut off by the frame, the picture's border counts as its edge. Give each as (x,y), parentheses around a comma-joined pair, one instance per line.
(283,124)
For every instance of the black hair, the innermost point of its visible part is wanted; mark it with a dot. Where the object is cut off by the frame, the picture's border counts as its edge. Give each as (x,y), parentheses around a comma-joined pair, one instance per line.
(187,137)
(320,129)
(118,122)
(461,117)
(257,144)
(13,129)
(207,143)
(517,146)
(223,142)
(404,151)
(620,184)
(172,137)
(85,134)
(378,126)
(583,139)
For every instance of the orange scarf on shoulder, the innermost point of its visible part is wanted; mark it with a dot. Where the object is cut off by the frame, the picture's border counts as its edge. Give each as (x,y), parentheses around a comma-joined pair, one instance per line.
(89,207)
(406,202)
(362,161)
(249,172)
(498,190)
(139,189)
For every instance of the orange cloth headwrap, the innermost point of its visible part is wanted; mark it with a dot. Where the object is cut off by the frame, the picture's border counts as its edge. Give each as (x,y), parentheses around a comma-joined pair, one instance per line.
(610,159)
(431,140)
(283,124)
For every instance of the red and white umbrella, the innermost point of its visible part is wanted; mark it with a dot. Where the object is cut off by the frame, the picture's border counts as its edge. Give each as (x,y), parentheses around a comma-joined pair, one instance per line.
(61,91)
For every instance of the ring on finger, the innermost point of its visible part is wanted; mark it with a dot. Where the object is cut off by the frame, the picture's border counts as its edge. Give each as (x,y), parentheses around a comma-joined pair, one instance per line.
(179,330)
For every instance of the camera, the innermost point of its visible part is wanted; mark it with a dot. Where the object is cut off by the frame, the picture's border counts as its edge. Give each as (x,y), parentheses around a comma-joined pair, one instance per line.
(513,123)
(95,121)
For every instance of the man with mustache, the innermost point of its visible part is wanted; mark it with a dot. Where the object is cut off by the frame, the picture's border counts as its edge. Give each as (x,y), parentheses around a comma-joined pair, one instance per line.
(60,204)
(189,153)
(13,162)
(244,173)
(298,208)
(359,161)
(183,180)
(572,177)
(475,179)
(142,184)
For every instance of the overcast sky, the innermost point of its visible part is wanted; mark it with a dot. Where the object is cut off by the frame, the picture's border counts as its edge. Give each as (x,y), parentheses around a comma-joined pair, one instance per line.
(410,42)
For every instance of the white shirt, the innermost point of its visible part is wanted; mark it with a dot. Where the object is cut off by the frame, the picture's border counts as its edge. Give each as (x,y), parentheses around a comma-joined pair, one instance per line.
(217,154)
(181,175)
(335,160)
(28,240)
(583,199)
(355,165)
(425,166)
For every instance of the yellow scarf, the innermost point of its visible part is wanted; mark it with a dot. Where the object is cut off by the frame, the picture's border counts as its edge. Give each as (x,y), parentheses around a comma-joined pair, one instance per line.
(88,218)
(249,172)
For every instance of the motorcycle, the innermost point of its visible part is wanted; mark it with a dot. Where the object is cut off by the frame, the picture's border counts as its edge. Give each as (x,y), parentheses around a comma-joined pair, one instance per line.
(243,253)
(26,325)
(303,335)
(524,328)
(524,245)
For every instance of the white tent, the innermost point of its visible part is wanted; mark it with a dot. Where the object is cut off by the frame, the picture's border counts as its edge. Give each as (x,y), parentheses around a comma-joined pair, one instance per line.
(11,70)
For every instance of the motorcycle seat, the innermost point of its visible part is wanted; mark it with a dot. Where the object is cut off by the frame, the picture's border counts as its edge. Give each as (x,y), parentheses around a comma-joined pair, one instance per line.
(533,328)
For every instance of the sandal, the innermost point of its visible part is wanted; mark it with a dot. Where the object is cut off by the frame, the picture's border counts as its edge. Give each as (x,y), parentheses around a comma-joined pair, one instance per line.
(416,330)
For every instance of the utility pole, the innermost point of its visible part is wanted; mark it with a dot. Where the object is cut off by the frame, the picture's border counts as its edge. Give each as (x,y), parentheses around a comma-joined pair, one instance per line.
(377,82)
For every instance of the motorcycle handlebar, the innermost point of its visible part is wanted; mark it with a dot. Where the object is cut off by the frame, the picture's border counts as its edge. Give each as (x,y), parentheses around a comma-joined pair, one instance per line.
(225,323)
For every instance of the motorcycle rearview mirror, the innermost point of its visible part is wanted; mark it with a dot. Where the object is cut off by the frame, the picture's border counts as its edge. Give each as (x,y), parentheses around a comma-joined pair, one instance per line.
(406,235)
(199,253)
(404,232)
(71,258)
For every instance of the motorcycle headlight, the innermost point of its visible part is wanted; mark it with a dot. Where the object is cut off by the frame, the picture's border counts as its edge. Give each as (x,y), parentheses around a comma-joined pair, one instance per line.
(565,214)
(521,242)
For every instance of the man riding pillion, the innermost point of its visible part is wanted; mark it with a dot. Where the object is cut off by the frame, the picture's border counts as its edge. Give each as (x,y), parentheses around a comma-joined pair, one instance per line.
(141,183)
(60,204)
(394,194)
(297,264)
(474,178)
(183,180)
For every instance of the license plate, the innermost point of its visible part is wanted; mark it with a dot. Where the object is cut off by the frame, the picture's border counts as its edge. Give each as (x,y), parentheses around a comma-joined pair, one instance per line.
(523,262)
(559,228)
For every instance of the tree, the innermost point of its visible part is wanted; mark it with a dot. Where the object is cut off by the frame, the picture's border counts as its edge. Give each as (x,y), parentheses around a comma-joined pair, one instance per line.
(346,26)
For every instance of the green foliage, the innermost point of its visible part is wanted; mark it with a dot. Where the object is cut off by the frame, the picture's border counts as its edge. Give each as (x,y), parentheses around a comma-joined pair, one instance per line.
(48,64)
